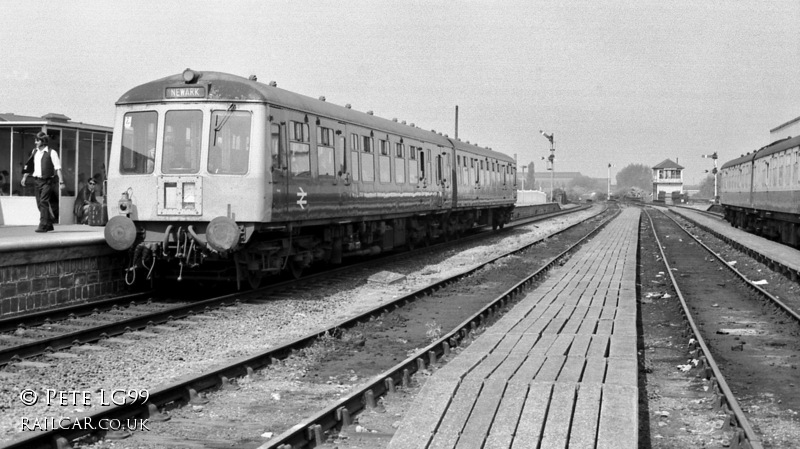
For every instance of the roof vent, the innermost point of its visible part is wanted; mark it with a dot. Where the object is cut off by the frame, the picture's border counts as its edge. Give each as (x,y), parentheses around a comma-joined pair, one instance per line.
(403,122)
(56,117)
(369,113)
(252,78)
(412,125)
(394,119)
(322,98)
(348,106)
(273,83)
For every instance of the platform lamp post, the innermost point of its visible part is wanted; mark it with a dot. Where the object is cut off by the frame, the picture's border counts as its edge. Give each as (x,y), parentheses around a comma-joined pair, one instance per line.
(551,161)
(714,172)
(523,177)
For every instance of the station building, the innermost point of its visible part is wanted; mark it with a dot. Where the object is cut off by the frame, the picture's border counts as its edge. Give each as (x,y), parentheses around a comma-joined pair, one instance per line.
(83,150)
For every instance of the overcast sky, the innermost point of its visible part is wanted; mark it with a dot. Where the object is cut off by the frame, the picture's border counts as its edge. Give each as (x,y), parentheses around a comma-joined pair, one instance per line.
(617,82)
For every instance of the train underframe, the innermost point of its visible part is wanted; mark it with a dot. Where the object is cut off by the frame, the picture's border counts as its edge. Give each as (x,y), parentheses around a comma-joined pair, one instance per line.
(270,250)
(778,226)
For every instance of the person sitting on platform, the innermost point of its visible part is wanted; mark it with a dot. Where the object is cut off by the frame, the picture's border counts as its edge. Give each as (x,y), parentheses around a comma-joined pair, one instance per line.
(86,197)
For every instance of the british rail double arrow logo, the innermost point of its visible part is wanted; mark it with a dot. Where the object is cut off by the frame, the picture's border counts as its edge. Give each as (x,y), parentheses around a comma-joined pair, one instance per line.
(302,201)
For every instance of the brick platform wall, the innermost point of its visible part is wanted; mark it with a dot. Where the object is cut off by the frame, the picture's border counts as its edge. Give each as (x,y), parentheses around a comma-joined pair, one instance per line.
(31,281)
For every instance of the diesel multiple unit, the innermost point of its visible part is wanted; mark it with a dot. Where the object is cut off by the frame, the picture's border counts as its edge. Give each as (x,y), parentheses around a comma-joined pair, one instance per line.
(222,177)
(760,191)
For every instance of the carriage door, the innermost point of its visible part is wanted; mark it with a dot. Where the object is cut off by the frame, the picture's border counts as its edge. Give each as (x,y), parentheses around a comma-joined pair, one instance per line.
(278,168)
(299,194)
(331,171)
(442,176)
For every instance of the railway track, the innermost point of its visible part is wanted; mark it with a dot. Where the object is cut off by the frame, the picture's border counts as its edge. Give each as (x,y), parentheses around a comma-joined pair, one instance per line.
(791,272)
(732,326)
(169,395)
(55,330)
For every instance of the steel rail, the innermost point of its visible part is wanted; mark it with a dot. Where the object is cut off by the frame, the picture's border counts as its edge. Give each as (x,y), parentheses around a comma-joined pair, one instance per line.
(313,428)
(187,388)
(791,273)
(791,312)
(733,404)
(95,333)
(33,319)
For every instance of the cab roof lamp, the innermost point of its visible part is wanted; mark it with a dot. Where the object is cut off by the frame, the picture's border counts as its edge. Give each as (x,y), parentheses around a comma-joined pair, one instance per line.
(190,76)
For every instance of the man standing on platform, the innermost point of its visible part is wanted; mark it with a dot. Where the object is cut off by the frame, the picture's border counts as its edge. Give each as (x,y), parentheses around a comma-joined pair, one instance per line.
(43,165)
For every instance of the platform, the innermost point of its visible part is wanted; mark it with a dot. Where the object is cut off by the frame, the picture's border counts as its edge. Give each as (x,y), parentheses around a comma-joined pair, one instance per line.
(57,268)
(13,238)
(558,370)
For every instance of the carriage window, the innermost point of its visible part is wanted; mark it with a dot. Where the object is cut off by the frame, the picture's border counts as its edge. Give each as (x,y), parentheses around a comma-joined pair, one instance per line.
(276,144)
(139,143)
(299,149)
(421,159)
(384,146)
(367,144)
(326,165)
(182,142)
(399,149)
(355,149)
(229,152)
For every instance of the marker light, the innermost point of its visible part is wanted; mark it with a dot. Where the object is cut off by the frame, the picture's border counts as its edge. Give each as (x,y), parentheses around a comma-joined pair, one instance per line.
(190,76)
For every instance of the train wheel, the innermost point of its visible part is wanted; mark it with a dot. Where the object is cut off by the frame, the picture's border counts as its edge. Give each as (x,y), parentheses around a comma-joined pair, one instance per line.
(243,272)
(254,278)
(296,268)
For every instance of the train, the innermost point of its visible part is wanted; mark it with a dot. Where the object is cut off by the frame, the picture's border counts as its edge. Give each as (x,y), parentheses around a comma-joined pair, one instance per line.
(760,191)
(222,177)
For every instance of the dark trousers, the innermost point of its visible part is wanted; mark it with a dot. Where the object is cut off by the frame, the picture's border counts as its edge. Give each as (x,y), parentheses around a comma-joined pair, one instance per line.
(45,193)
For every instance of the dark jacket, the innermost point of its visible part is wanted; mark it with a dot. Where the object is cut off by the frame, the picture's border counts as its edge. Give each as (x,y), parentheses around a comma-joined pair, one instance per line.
(48,169)
(85,196)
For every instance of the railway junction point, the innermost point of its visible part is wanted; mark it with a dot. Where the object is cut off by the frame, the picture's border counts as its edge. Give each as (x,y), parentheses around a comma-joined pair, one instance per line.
(558,370)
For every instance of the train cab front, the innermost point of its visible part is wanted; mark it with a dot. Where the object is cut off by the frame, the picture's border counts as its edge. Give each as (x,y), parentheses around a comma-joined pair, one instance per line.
(186,176)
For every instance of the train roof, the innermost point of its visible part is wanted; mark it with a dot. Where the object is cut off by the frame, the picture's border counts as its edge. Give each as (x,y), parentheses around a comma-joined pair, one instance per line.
(224,87)
(774,147)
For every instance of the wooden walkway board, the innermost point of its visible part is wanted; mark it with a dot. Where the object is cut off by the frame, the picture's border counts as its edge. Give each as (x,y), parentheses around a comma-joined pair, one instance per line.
(557,371)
